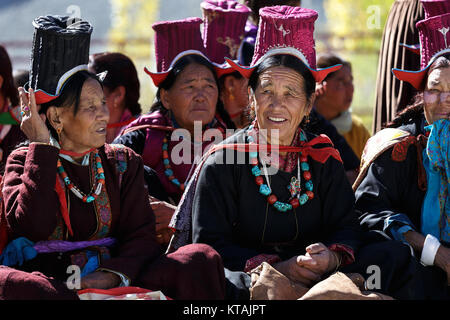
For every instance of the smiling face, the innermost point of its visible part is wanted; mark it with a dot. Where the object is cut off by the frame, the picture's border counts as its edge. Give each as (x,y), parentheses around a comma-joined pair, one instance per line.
(87,128)
(280,102)
(437,95)
(193,96)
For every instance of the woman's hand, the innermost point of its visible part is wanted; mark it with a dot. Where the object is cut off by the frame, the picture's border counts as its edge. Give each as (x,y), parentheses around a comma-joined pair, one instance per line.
(33,124)
(100,280)
(442,260)
(319,259)
(163,214)
(294,270)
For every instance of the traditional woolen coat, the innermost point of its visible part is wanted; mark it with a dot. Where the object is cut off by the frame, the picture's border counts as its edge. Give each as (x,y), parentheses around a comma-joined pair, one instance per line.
(123,212)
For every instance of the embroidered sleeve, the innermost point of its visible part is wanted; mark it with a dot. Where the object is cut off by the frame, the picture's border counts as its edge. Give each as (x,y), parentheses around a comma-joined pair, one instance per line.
(252,263)
(348,256)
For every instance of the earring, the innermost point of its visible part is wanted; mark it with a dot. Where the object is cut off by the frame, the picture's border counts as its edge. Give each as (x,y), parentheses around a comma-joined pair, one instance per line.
(58,132)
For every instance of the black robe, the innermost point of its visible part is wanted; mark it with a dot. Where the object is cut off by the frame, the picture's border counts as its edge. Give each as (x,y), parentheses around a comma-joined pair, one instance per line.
(232,216)
(391,188)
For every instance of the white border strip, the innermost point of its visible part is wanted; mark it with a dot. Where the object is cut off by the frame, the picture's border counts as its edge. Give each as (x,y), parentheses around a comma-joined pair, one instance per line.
(67,75)
(283,50)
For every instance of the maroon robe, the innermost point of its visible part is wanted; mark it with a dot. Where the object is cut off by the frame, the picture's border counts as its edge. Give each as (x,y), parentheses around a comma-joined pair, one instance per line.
(9,143)
(32,208)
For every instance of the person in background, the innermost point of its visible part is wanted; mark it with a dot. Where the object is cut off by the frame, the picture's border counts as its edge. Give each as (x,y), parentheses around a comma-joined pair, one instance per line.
(403,186)
(334,96)
(121,85)
(10,118)
(223,33)
(392,95)
(187,96)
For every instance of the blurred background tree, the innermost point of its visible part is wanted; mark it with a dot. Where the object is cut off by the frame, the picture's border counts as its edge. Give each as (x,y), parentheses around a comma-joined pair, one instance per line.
(131,34)
(354,30)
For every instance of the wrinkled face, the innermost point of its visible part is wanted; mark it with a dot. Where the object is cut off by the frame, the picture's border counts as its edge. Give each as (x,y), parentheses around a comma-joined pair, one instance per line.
(339,93)
(87,128)
(437,95)
(193,97)
(280,102)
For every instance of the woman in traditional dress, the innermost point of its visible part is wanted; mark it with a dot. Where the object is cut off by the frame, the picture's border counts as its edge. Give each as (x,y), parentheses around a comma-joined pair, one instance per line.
(187,99)
(70,199)
(294,207)
(402,189)
(121,85)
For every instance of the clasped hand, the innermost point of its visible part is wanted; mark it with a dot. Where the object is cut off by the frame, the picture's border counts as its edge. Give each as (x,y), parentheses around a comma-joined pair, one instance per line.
(309,268)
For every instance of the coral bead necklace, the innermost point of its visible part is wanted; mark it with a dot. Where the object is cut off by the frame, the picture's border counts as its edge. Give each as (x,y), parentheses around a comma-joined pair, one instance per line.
(96,189)
(294,187)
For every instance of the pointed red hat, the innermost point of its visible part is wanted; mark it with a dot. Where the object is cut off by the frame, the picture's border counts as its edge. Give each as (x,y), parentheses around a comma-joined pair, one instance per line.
(174,40)
(286,30)
(434,41)
(431,8)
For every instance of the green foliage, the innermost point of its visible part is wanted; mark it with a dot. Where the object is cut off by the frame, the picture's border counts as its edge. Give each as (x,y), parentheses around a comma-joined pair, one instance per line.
(131,34)
(356,25)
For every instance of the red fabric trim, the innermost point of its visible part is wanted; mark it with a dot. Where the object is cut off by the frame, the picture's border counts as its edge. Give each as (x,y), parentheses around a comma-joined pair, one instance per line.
(42,97)
(115,291)
(252,263)
(318,154)
(63,204)
(348,255)
(400,151)
(415,78)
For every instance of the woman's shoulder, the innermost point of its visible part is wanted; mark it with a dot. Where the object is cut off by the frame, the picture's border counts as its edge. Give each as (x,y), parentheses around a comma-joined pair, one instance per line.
(154,118)
(319,141)
(120,152)
(382,141)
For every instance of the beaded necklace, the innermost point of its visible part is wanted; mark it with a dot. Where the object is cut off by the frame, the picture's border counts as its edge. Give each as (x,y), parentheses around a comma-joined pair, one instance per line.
(168,171)
(294,187)
(96,189)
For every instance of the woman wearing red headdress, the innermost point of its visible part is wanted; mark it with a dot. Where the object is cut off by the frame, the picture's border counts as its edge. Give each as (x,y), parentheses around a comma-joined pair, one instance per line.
(402,189)
(273,199)
(187,106)
(73,202)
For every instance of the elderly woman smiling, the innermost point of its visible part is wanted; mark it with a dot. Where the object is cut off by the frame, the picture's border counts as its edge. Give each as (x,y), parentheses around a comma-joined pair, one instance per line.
(300,218)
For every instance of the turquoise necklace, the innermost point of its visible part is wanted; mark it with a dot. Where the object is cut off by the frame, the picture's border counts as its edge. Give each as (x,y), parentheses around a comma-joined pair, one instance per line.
(297,199)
